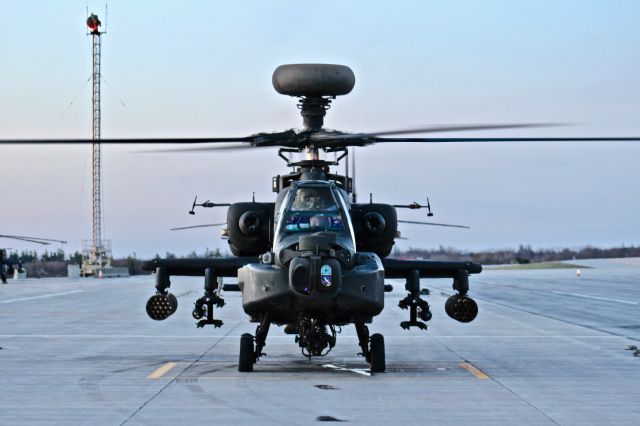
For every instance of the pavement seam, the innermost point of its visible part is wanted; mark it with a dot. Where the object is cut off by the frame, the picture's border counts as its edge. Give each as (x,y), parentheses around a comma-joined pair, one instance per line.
(551,317)
(173,380)
(499,383)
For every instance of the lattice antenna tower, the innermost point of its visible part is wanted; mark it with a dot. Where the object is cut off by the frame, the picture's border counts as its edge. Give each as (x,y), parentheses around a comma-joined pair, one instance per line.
(97,252)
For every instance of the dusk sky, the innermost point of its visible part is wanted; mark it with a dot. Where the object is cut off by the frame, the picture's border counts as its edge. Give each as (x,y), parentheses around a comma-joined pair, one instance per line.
(203,68)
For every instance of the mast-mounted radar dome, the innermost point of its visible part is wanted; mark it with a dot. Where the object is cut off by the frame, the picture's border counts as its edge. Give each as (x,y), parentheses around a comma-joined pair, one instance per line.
(315,85)
(311,80)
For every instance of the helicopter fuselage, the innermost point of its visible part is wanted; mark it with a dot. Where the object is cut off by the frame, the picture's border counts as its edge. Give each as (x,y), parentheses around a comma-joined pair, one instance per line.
(314,268)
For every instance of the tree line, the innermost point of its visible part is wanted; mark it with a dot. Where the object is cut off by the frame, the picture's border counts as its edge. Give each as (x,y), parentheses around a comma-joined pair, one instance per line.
(523,254)
(26,256)
(54,263)
(59,255)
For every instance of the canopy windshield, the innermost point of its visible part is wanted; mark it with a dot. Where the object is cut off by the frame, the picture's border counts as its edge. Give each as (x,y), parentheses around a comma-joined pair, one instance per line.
(311,209)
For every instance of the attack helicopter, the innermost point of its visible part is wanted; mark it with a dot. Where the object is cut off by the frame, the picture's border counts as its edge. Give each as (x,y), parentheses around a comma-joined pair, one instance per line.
(315,259)
(312,260)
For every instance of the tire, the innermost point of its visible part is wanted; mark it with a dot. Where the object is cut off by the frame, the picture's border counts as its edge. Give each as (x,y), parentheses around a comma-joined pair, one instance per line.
(378,364)
(245,363)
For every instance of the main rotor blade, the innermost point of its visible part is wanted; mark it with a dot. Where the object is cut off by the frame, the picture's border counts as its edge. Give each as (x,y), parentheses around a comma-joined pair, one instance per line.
(466,127)
(433,224)
(121,141)
(289,138)
(286,138)
(197,226)
(34,239)
(545,139)
(432,129)
(331,139)
(200,148)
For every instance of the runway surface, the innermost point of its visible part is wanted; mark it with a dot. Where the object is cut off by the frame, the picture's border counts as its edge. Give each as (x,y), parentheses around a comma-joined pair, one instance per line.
(547,348)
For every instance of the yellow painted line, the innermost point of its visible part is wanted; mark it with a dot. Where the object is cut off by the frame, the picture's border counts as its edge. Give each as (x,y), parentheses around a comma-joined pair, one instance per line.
(161,371)
(473,370)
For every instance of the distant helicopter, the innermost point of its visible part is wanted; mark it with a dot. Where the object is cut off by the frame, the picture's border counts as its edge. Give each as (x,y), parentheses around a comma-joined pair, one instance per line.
(3,251)
(36,240)
(315,259)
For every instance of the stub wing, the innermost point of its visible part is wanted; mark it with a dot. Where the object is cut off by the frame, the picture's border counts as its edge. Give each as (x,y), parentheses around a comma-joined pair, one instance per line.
(398,268)
(223,266)
(228,267)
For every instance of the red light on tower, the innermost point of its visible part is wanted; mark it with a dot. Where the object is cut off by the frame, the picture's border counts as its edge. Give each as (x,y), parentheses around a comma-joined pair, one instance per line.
(93,23)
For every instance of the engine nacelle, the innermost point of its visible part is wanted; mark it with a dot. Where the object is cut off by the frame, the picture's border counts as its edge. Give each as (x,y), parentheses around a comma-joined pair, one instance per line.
(249,228)
(375,226)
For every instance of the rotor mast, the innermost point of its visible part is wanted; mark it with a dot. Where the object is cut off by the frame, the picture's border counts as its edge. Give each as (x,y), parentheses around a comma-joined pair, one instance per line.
(313,109)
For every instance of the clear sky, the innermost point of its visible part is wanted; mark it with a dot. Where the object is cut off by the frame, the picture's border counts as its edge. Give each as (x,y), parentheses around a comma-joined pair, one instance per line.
(203,68)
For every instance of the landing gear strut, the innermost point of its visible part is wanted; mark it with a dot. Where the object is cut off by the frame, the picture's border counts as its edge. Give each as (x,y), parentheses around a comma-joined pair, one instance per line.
(248,354)
(372,348)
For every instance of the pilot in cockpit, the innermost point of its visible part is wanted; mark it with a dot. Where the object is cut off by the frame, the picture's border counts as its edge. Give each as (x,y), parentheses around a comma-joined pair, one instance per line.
(314,199)
(313,209)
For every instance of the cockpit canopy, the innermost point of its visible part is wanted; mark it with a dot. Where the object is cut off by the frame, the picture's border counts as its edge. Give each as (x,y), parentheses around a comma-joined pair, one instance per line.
(313,207)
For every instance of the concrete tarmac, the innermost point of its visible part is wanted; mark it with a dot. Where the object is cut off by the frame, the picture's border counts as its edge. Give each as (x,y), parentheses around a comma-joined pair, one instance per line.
(547,348)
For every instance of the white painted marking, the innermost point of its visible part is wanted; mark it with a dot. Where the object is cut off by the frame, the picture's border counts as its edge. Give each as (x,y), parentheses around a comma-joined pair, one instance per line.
(41,297)
(626,302)
(362,371)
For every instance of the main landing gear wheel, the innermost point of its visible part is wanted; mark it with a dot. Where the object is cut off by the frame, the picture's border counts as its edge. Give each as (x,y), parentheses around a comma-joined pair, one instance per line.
(245,363)
(376,354)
